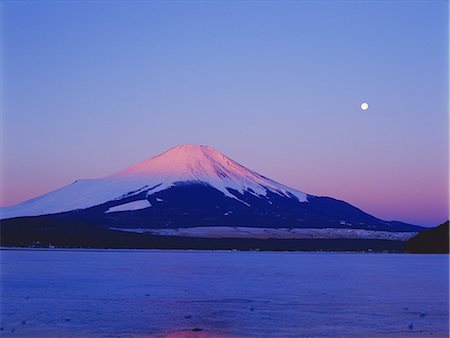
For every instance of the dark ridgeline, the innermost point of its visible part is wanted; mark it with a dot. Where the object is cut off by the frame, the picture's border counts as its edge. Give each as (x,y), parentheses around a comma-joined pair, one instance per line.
(435,240)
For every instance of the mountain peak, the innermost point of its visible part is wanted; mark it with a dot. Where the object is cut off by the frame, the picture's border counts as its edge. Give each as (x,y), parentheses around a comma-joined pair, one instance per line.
(204,164)
(191,152)
(183,159)
(189,149)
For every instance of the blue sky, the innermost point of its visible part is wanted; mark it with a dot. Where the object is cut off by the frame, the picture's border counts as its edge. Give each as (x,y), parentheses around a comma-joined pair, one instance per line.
(91,87)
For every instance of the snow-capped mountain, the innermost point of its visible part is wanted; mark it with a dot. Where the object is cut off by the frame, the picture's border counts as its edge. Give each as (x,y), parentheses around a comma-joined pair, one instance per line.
(187,193)
(181,164)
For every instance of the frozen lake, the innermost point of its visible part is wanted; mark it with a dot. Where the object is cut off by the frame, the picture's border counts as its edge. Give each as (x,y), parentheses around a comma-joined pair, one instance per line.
(222,294)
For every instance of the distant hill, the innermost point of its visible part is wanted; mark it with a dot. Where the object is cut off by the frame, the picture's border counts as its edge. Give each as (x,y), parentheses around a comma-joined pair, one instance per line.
(435,240)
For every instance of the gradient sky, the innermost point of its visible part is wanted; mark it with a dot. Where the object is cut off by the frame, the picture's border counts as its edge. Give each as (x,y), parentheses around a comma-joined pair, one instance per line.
(92,87)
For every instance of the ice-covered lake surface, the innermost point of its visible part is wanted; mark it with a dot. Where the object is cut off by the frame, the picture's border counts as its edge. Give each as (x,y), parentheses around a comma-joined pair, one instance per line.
(130,293)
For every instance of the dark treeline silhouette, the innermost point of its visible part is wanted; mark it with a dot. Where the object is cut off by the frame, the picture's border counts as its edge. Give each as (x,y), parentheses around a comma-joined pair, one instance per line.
(49,231)
(435,240)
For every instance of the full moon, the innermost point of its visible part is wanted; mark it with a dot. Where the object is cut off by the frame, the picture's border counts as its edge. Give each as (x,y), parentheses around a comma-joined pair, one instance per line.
(364,106)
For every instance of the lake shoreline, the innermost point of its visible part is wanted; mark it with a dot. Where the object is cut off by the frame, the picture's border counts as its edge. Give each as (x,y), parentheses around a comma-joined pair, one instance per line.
(211,250)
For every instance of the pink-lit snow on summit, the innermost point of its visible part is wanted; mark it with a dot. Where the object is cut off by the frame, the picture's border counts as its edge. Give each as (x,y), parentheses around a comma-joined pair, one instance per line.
(183,163)
(204,164)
